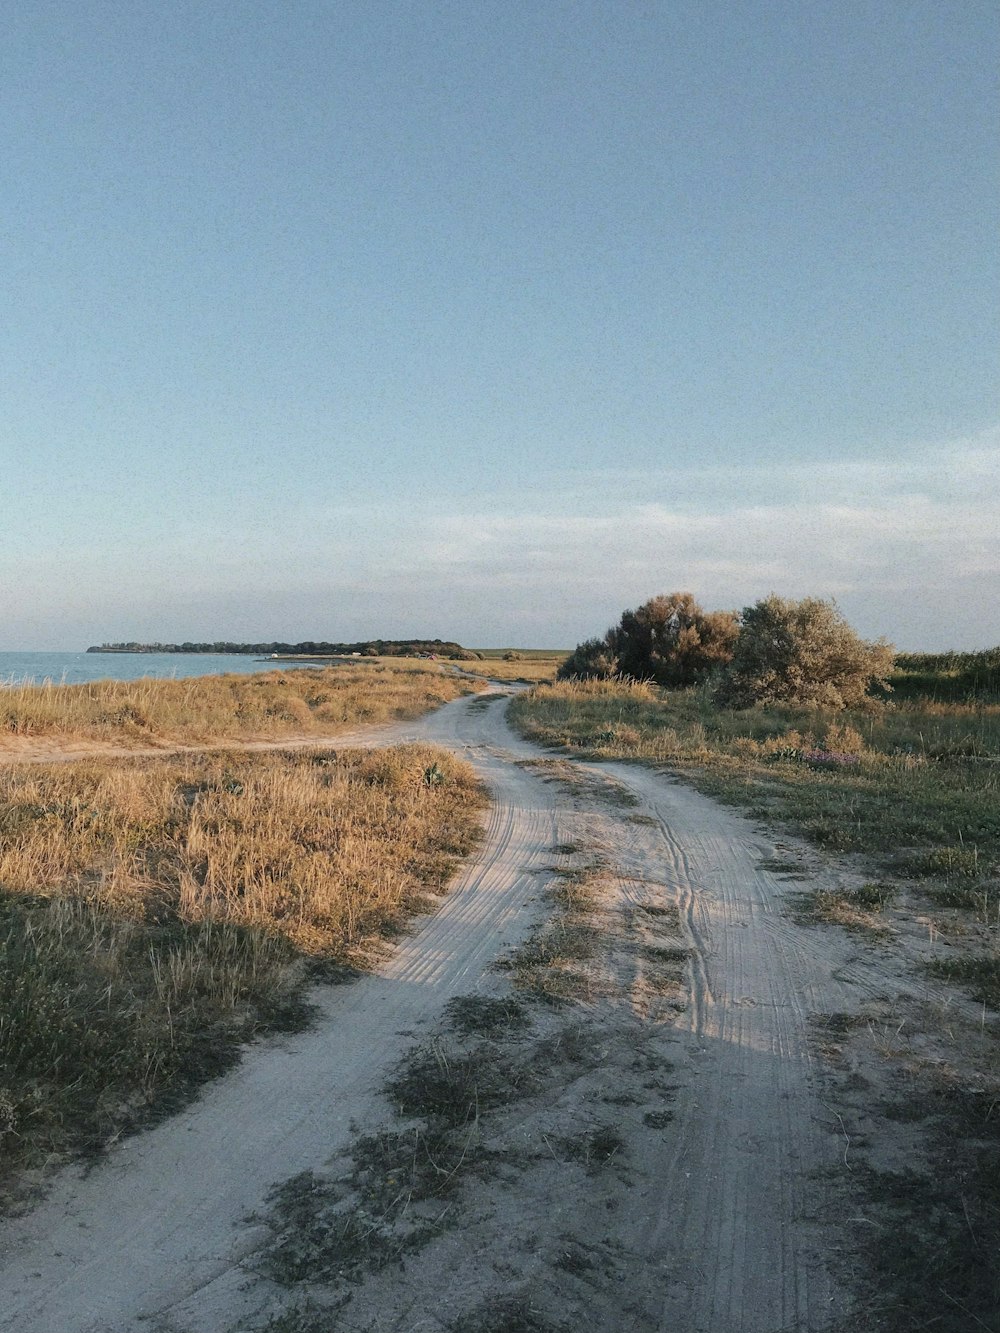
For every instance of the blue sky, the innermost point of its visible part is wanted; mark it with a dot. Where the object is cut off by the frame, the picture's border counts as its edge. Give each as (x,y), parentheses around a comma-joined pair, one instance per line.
(485,321)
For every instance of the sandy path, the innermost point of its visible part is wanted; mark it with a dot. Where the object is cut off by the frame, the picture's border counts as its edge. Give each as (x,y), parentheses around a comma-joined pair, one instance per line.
(732,1213)
(722,1215)
(153,1226)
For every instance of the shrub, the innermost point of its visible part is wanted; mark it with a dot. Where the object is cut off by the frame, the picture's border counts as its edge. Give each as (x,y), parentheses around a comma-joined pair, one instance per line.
(592,659)
(672,641)
(669,640)
(802,652)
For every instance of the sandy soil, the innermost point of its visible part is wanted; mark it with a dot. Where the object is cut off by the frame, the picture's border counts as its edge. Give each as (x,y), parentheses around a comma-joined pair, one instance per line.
(712,1212)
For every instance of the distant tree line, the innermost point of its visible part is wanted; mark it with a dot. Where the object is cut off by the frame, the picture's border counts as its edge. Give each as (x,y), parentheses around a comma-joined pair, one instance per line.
(307,648)
(776,651)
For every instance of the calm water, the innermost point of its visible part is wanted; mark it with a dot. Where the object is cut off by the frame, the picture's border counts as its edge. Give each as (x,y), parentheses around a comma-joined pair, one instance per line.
(76,668)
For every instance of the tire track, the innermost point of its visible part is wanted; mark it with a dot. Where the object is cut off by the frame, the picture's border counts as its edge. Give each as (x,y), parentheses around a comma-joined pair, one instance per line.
(723,1227)
(738,1185)
(149,1232)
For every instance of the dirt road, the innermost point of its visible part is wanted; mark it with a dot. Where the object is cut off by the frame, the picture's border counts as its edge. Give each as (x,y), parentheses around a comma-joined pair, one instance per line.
(716,1221)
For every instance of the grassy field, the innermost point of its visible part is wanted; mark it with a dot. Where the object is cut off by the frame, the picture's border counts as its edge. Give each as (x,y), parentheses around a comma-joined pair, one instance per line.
(272,705)
(528,666)
(524,654)
(155,913)
(917,783)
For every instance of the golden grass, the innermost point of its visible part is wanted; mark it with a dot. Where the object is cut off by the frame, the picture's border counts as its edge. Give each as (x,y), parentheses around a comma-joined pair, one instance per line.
(535,670)
(272,705)
(156,912)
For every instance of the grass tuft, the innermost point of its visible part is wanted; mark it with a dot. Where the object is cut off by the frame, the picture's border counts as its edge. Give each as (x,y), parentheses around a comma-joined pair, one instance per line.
(980,975)
(506,1314)
(481,1015)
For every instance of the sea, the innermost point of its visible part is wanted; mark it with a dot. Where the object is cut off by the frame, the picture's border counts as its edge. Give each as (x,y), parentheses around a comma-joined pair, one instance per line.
(78,668)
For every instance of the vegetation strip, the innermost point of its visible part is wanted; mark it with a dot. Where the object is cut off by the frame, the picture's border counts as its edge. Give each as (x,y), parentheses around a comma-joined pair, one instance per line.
(154,914)
(272,705)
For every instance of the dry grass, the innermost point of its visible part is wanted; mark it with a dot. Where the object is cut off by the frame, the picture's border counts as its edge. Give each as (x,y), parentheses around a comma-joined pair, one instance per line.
(528,670)
(554,963)
(854,909)
(272,705)
(153,913)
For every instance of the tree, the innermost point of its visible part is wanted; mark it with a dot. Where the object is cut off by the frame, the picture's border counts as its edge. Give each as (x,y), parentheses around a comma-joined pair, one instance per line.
(802,652)
(671,640)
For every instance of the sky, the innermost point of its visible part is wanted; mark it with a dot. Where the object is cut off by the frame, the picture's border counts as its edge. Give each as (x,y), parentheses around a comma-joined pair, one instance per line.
(338,319)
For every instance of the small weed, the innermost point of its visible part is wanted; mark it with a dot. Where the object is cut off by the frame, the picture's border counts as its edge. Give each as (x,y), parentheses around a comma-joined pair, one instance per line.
(785,867)
(321,1234)
(978,898)
(307,1318)
(571,1047)
(393,1168)
(483,703)
(573,891)
(872,897)
(838,1025)
(947,863)
(666,953)
(485,1016)
(854,909)
(506,1314)
(658,1119)
(595,1148)
(454,1086)
(574,1260)
(979,975)
(661,910)
(547,965)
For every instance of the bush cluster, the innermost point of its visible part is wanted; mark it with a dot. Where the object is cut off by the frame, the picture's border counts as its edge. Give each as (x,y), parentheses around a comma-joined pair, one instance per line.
(776,651)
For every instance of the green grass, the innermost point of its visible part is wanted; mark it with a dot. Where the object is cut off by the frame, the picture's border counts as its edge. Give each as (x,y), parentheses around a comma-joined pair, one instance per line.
(948,677)
(979,974)
(918,780)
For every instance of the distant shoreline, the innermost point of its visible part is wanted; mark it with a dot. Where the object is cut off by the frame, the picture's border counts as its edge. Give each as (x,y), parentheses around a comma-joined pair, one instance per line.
(447,648)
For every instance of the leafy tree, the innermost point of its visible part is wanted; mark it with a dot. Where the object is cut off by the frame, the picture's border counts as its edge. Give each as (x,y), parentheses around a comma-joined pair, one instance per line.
(802,652)
(671,640)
